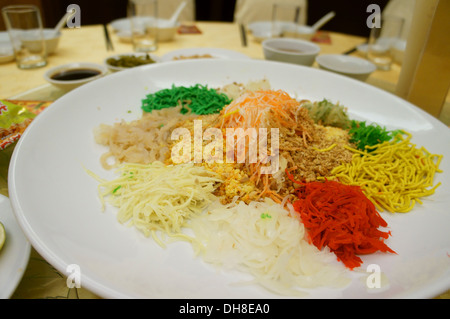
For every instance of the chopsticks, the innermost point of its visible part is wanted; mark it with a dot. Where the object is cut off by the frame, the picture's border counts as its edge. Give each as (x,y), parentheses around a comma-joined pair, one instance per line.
(109,45)
(350,51)
(353,49)
(243,35)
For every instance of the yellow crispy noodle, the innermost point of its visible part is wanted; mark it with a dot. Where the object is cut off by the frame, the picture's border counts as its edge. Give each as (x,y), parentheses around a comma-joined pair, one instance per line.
(394,176)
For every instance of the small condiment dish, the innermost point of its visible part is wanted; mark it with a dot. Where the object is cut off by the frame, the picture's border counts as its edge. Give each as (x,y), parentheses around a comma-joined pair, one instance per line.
(125,61)
(290,50)
(350,66)
(70,76)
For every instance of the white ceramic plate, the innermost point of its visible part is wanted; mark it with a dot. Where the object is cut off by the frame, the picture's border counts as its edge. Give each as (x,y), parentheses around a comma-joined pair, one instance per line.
(58,207)
(214,52)
(347,65)
(15,252)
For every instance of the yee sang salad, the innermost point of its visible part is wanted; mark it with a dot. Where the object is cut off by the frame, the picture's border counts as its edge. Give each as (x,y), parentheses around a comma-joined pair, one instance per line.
(303,225)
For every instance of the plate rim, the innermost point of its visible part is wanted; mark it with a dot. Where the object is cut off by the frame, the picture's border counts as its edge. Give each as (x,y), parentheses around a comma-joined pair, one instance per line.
(20,253)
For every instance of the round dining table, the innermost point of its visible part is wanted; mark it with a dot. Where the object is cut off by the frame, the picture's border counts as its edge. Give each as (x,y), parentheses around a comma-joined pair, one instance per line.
(87,43)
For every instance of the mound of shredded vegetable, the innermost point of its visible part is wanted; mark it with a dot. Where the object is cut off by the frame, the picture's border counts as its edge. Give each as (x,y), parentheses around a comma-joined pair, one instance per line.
(254,109)
(141,141)
(158,197)
(369,135)
(198,99)
(341,218)
(265,240)
(328,114)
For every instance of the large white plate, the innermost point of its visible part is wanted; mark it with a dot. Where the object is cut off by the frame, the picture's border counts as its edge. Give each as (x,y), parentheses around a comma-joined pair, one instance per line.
(14,254)
(56,201)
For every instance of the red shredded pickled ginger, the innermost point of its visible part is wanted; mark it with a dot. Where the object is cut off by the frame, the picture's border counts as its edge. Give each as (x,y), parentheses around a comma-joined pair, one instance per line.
(343,218)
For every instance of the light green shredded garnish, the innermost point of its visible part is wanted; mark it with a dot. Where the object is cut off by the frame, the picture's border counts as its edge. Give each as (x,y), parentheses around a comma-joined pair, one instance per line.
(116,189)
(328,114)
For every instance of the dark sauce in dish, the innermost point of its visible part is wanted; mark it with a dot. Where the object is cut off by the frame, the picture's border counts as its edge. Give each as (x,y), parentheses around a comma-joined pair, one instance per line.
(75,74)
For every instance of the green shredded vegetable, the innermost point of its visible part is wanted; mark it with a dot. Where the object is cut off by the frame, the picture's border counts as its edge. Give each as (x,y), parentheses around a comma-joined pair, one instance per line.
(363,135)
(328,114)
(199,99)
(116,189)
(265,215)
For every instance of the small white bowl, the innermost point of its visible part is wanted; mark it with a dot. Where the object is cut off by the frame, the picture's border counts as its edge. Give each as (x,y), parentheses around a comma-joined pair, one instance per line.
(51,41)
(290,50)
(261,34)
(114,68)
(98,71)
(6,52)
(302,31)
(166,30)
(351,66)
(6,49)
(263,30)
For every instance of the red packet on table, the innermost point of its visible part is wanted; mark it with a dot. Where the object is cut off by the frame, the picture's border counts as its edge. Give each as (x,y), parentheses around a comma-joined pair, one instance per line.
(188,29)
(15,116)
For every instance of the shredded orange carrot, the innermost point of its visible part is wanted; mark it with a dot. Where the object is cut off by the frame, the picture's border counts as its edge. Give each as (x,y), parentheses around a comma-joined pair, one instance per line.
(343,218)
(265,109)
(253,109)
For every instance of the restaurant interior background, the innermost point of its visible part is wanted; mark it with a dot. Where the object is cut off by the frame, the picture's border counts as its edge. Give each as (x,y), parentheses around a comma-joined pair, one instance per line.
(350,14)
(350,19)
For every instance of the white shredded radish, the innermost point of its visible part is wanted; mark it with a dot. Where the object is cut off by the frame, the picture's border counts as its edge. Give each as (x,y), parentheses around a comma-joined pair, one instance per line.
(265,240)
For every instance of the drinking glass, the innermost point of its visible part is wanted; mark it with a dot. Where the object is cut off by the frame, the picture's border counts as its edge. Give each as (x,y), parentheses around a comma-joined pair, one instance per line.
(24,26)
(382,40)
(285,19)
(143,16)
